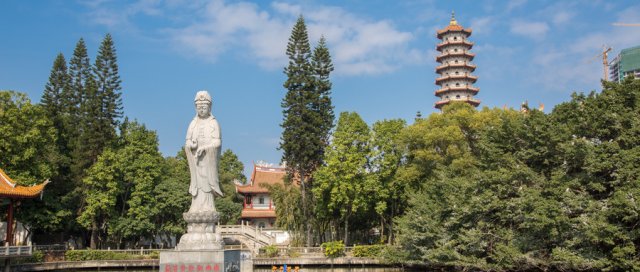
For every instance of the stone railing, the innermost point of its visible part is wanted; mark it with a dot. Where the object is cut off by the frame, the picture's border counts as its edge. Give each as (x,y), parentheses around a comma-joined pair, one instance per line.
(15,251)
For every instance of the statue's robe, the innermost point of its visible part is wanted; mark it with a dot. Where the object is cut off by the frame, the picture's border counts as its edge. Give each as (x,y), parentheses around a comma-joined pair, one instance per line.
(204,169)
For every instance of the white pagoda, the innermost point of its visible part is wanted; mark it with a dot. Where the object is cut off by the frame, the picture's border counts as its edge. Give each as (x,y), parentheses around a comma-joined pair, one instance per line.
(455,80)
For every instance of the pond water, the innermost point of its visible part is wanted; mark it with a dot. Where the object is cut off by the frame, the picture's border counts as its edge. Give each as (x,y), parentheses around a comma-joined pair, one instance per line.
(305,269)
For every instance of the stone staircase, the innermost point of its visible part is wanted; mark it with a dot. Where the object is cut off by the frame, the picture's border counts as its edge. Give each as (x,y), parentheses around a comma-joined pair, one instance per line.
(251,237)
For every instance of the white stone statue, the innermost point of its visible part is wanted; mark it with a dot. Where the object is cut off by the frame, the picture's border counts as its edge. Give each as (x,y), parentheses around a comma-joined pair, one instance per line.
(203,153)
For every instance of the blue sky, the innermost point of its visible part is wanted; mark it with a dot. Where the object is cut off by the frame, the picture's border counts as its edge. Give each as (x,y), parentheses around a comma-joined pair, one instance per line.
(383,52)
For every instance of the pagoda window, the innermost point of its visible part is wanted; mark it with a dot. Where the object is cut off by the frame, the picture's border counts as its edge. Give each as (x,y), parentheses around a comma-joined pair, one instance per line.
(457,84)
(456,61)
(457,96)
(457,73)
(261,225)
(446,85)
(455,50)
(447,97)
(455,38)
(261,200)
(248,199)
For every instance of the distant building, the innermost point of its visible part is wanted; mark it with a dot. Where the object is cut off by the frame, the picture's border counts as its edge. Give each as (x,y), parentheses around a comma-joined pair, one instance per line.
(455,79)
(626,63)
(259,209)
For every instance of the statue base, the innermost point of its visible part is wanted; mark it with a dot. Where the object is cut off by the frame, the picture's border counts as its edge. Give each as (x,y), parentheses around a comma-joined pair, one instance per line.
(206,260)
(201,232)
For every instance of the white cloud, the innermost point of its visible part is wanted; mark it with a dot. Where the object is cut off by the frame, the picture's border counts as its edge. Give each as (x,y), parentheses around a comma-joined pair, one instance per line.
(358,46)
(562,17)
(532,30)
(513,4)
(482,25)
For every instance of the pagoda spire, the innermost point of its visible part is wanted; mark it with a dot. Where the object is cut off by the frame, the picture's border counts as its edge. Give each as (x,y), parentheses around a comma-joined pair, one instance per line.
(453,19)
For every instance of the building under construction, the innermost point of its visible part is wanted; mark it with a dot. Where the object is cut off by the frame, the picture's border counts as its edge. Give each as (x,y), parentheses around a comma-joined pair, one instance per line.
(626,63)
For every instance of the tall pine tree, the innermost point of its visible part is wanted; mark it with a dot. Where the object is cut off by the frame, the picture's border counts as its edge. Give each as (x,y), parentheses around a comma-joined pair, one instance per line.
(305,132)
(75,98)
(108,82)
(322,68)
(58,82)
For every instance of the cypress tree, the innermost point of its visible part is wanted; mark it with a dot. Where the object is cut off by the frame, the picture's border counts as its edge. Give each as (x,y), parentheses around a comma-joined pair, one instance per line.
(305,132)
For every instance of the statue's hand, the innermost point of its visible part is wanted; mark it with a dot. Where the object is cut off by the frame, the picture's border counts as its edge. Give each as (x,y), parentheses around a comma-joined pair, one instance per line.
(199,152)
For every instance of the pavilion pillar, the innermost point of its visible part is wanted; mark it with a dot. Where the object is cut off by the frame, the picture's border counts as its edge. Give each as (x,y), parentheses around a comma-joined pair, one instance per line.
(9,237)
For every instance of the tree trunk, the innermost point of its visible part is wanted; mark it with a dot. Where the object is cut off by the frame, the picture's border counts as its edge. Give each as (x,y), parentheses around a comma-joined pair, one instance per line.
(393,210)
(305,209)
(94,236)
(346,230)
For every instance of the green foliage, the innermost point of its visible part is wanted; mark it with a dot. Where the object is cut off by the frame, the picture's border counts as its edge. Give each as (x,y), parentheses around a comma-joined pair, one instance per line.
(104,255)
(368,251)
(504,190)
(231,170)
(172,197)
(119,187)
(385,187)
(333,249)
(108,82)
(341,181)
(37,257)
(271,251)
(289,212)
(27,139)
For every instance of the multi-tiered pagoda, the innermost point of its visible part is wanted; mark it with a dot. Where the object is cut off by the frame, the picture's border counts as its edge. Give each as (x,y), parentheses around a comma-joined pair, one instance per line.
(455,80)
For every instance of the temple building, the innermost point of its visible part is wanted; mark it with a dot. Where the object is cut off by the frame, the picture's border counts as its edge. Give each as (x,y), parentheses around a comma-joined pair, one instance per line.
(13,194)
(455,80)
(258,207)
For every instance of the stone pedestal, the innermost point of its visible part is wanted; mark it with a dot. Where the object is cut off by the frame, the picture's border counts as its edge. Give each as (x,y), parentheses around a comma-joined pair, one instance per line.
(201,232)
(206,260)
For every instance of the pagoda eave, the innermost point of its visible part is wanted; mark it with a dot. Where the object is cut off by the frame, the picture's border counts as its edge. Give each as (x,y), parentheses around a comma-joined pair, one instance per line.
(440,46)
(470,78)
(467,55)
(441,103)
(445,66)
(457,89)
(450,29)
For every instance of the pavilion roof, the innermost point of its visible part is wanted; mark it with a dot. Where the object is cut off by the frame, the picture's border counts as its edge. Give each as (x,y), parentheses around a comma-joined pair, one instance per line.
(10,189)
(261,176)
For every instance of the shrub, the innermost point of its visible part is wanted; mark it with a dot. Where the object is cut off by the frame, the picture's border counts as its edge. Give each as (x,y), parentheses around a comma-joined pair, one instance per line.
(293,253)
(154,255)
(271,251)
(333,249)
(368,251)
(98,255)
(36,257)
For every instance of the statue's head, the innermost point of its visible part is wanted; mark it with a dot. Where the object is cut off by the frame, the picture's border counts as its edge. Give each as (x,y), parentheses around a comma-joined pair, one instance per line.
(203,104)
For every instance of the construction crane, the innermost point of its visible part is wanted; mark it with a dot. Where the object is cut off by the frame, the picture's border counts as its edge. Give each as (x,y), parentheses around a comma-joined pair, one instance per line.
(605,60)
(625,24)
